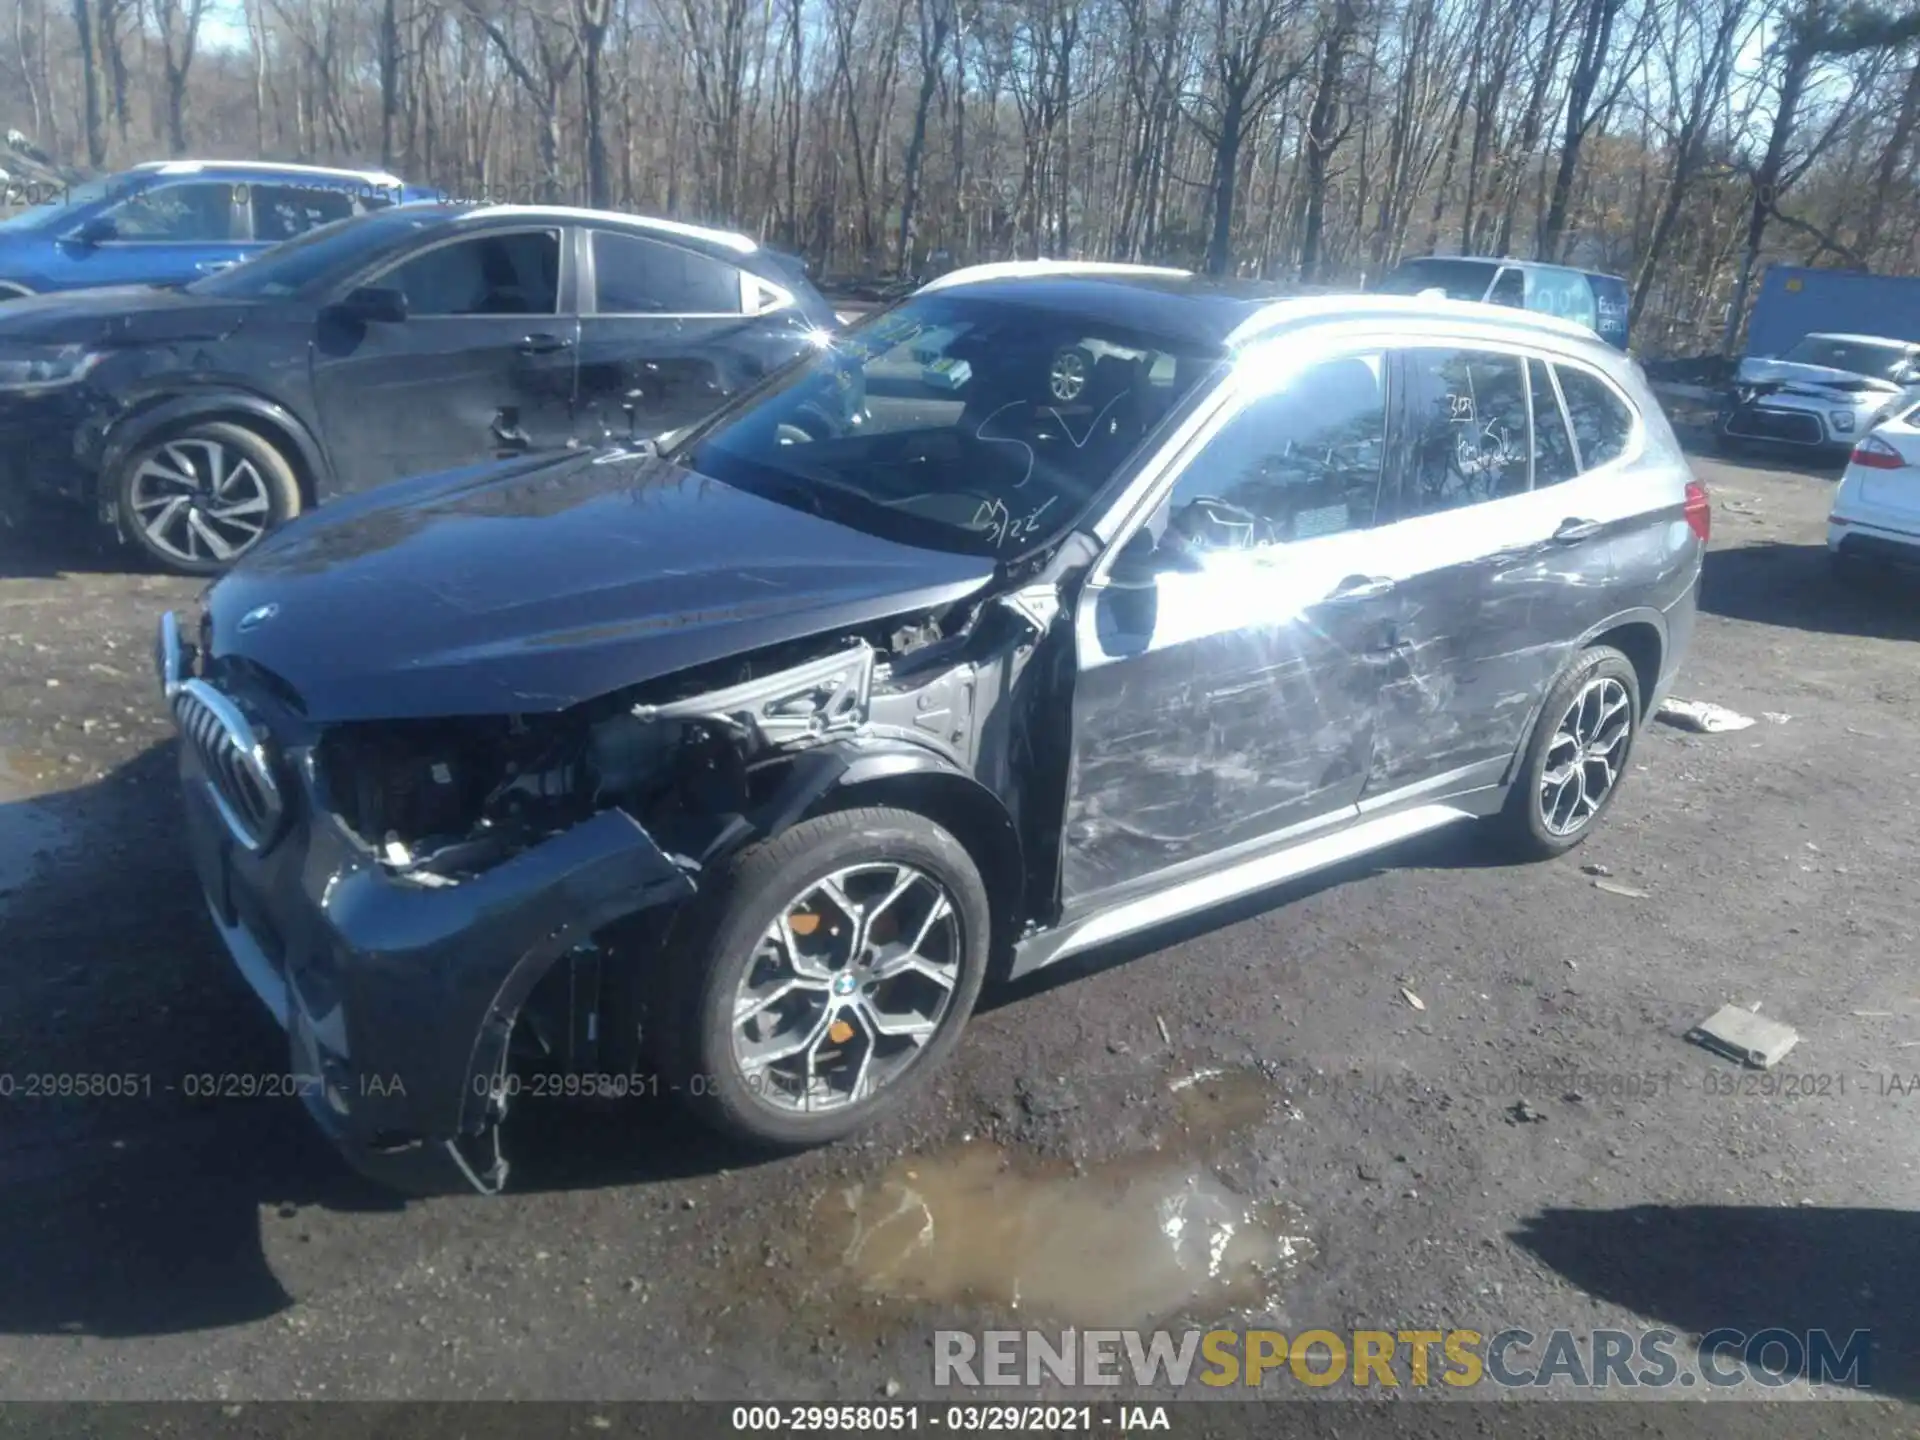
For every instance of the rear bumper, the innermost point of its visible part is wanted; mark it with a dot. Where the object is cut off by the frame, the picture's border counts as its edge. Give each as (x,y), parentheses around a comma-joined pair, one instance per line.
(398,999)
(1854,540)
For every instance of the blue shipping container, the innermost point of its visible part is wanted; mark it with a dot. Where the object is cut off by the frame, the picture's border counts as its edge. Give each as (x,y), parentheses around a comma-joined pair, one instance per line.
(1796,301)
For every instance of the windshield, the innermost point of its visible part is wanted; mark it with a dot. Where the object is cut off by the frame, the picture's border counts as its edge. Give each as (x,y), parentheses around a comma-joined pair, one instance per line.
(1856,357)
(316,258)
(955,423)
(78,198)
(1461,279)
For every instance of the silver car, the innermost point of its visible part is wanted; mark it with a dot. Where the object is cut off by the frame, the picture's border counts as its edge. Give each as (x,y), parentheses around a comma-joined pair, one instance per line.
(1822,395)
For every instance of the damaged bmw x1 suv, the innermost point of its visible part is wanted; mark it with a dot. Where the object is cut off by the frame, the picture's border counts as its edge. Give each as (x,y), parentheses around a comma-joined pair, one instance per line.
(1050,604)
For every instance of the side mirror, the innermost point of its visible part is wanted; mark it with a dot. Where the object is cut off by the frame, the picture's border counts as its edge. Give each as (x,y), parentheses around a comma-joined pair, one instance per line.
(374,305)
(96,231)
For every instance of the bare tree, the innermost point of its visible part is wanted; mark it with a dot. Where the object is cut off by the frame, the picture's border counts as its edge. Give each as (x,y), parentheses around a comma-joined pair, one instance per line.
(178,23)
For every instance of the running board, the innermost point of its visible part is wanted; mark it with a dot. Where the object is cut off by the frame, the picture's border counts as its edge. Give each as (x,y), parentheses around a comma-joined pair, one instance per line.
(1216,888)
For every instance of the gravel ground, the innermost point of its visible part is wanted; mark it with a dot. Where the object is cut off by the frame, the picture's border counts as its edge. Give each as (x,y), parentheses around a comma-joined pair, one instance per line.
(1531,1144)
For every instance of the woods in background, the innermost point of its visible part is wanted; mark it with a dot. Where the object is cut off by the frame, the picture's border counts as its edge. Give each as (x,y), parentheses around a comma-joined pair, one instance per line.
(1680,143)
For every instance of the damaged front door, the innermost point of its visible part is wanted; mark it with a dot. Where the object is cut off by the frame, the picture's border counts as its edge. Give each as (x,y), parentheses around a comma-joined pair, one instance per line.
(482,367)
(1229,659)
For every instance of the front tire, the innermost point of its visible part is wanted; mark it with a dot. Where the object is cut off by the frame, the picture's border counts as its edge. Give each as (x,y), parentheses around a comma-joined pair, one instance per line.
(823,976)
(198,498)
(1576,757)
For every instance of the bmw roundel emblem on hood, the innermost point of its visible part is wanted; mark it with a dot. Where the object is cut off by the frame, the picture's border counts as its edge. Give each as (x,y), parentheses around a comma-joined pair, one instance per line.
(259,616)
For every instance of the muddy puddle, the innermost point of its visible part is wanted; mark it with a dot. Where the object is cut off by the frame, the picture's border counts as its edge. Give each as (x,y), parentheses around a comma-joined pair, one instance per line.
(1123,1242)
(29,829)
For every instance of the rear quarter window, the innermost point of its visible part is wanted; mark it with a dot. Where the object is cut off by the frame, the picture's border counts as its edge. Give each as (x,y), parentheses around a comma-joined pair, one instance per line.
(1602,421)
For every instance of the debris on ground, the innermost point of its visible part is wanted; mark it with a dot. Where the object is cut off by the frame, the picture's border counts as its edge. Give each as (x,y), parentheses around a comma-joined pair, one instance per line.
(1744,1036)
(1594,868)
(1774,717)
(1165,1038)
(1614,887)
(1702,716)
(1412,999)
(1521,1113)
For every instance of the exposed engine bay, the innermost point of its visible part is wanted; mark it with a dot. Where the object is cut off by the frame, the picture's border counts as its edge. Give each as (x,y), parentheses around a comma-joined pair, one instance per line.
(441,800)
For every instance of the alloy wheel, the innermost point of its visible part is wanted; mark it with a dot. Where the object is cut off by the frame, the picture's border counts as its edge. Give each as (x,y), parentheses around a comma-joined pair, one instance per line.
(199,500)
(1584,758)
(847,987)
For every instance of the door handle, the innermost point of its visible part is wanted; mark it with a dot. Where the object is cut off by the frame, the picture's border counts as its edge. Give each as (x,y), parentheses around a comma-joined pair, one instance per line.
(1361,587)
(543,344)
(209,267)
(1573,531)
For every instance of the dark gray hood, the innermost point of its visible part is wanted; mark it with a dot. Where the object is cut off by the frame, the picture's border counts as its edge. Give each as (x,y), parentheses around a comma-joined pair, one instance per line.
(530,586)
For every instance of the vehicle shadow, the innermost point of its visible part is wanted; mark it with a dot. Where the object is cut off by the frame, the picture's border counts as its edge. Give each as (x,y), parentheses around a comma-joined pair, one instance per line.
(135,1207)
(44,542)
(1794,586)
(1699,1268)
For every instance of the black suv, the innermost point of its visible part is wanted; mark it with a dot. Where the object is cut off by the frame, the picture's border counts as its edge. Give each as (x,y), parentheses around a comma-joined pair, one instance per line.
(194,419)
(1046,606)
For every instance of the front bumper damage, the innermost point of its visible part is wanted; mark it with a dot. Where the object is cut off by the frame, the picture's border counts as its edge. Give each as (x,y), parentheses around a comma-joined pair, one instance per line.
(397,998)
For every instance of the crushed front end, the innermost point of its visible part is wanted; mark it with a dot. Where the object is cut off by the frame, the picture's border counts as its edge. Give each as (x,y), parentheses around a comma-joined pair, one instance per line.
(396,983)
(428,906)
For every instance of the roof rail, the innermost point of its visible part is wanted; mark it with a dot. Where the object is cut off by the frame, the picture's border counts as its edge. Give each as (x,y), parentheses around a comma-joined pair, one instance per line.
(193,167)
(1016,269)
(733,240)
(1358,306)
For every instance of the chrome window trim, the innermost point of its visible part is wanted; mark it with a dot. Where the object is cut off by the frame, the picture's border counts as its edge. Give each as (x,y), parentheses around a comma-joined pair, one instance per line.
(1554,358)
(1323,342)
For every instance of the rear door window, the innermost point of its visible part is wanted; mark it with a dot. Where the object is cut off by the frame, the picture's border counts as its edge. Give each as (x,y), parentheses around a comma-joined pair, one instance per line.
(281,212)
(1470,439)
(634,275)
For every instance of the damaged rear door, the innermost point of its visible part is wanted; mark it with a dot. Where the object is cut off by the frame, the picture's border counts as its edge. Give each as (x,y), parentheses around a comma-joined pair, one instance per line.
(1229,652)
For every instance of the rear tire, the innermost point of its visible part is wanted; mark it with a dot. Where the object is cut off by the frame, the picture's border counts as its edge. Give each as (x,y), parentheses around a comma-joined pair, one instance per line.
(736,995)
(208,487)
(1576,757)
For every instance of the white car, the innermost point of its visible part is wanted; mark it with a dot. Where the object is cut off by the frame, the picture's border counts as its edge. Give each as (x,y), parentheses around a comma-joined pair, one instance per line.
(1876,510)
(1822,395)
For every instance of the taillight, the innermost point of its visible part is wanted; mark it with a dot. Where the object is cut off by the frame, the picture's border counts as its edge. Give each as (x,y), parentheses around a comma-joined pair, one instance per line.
(1876,454)
(1698,512)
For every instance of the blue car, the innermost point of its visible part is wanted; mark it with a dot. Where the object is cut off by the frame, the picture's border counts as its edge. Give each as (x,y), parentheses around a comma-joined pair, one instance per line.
(172,221)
